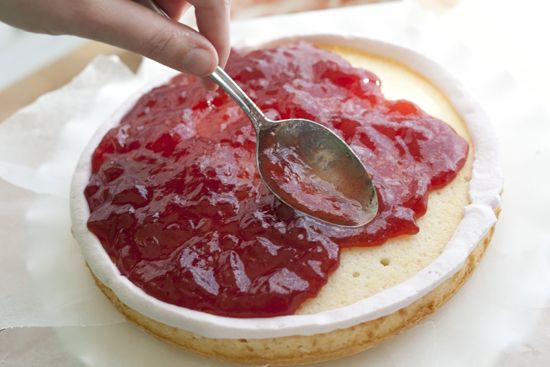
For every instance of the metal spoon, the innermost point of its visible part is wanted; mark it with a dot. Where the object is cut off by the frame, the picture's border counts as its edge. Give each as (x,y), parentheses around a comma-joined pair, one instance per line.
(304,164)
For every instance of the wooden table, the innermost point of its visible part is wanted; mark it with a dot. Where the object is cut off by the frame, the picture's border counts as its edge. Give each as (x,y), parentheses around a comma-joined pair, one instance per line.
(57,74)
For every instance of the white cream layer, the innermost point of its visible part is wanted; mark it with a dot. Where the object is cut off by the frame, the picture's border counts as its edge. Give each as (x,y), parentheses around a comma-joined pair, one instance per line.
(484,188)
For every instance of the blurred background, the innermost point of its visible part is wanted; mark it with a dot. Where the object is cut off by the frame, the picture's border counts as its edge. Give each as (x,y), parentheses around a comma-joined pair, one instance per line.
(511,32)
(24,52)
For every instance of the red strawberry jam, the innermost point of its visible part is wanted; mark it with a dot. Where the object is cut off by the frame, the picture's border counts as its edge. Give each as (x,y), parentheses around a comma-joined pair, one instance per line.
(177,202)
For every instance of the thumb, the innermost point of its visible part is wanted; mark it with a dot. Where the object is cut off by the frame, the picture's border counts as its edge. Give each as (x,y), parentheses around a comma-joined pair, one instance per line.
(133,27)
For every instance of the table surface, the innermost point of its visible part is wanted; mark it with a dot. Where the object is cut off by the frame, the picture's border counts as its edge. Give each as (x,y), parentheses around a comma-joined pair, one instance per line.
(57,74)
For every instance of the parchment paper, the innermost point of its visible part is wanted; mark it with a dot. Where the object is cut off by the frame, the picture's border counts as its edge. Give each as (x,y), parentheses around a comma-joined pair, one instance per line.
(56,316)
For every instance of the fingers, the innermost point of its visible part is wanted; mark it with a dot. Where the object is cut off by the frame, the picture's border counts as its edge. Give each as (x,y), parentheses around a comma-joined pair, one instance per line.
(174,8)
(134,27)
(213,22)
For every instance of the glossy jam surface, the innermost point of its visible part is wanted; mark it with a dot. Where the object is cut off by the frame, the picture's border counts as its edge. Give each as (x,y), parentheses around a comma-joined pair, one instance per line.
(177,203)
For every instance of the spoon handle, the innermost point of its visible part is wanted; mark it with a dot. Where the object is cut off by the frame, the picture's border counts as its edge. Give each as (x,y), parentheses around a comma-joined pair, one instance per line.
(220,77)
(151,4)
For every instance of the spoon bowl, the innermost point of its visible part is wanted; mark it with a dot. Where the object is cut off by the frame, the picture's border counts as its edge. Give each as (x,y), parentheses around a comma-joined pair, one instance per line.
(311,169)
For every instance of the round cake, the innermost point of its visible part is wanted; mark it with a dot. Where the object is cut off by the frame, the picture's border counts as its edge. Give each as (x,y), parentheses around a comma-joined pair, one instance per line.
(182,237)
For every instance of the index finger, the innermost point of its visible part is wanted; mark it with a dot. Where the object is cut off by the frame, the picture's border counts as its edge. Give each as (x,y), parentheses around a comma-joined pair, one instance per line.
(213,22)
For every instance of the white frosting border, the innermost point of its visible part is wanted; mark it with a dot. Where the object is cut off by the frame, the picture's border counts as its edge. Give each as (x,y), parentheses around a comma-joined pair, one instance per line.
(485,188)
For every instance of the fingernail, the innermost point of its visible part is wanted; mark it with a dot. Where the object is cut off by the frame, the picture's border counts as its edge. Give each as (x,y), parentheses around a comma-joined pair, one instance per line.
(198,61)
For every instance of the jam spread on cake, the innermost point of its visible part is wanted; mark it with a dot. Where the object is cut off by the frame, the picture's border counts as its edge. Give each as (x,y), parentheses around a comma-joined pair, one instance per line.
(176,200)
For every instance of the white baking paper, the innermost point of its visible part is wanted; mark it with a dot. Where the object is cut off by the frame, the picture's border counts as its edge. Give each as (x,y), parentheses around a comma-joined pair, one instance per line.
(54,312)
(44,279)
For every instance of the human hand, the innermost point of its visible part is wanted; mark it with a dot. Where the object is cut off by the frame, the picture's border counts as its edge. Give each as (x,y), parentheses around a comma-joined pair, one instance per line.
(130,25)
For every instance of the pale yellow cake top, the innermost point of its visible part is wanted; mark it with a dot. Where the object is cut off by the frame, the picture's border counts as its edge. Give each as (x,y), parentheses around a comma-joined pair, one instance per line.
(368,270)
